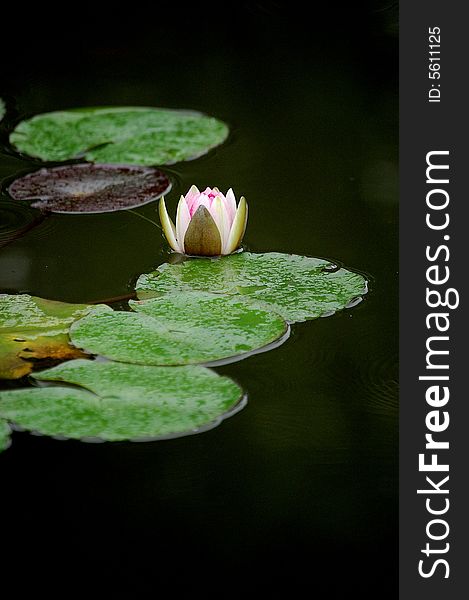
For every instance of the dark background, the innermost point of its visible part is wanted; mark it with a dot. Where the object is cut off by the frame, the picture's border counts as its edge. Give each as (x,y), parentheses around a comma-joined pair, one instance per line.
(300,488)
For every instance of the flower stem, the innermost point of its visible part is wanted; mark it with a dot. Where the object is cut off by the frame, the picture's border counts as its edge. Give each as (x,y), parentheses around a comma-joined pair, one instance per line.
(143,217)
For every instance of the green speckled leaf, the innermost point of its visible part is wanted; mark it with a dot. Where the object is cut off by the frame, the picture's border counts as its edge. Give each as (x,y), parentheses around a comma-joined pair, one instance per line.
(4,435)
(122,135)
(296,287)
(33,329)
(183,328)
(118,401)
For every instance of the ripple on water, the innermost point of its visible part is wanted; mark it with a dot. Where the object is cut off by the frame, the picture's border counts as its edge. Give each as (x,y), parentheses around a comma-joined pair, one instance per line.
(374,379)
(380,384)
(371,374)
(18,219)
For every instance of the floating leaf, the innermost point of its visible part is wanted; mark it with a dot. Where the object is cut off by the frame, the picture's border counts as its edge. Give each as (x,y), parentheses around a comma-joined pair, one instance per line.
(4,435)
(86,188)
(296,287)
(34,329)
(179,329)
(123,135)
(118,401)
(2,109)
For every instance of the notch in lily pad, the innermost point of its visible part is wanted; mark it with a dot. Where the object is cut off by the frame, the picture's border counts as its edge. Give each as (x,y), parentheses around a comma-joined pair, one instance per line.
(112,401)
(86,188)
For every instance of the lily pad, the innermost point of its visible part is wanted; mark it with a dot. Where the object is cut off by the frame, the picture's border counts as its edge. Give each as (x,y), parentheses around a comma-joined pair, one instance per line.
(33,329)
(178,329)
(124,135)
(4,435)
(86,188)
(296,287)
(116,401)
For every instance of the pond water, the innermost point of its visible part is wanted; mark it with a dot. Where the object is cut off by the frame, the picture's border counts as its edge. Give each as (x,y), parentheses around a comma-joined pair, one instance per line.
(309,468)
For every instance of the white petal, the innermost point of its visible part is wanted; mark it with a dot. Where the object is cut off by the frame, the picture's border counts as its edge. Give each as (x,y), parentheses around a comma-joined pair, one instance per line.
(239,226)
(183,218)
(220,216)
(168,226)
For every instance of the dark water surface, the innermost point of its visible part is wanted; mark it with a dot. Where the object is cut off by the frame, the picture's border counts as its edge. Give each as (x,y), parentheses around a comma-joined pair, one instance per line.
(306,474)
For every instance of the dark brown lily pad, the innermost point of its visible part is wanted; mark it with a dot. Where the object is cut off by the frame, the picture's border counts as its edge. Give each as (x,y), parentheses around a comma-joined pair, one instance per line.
(87,188)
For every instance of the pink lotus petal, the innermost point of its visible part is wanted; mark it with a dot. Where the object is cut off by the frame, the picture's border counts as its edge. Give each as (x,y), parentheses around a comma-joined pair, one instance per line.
(191,198)
(210,193)
(231,205)
(203,200)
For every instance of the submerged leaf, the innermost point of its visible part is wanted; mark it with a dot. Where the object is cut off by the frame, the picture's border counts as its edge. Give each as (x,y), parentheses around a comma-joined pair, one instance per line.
(296,287)
(123,135)
(86,188)
(34,329)
(116,401)
(177,329)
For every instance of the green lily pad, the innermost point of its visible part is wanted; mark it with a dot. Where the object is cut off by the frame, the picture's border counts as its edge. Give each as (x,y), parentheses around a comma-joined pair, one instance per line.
(124,135)
(296,287)
(34,329)
(5,439)
(116,401)
(178,329)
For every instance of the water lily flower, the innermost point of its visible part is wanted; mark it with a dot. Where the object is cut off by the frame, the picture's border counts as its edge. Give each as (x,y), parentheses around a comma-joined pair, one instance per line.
(207,223)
